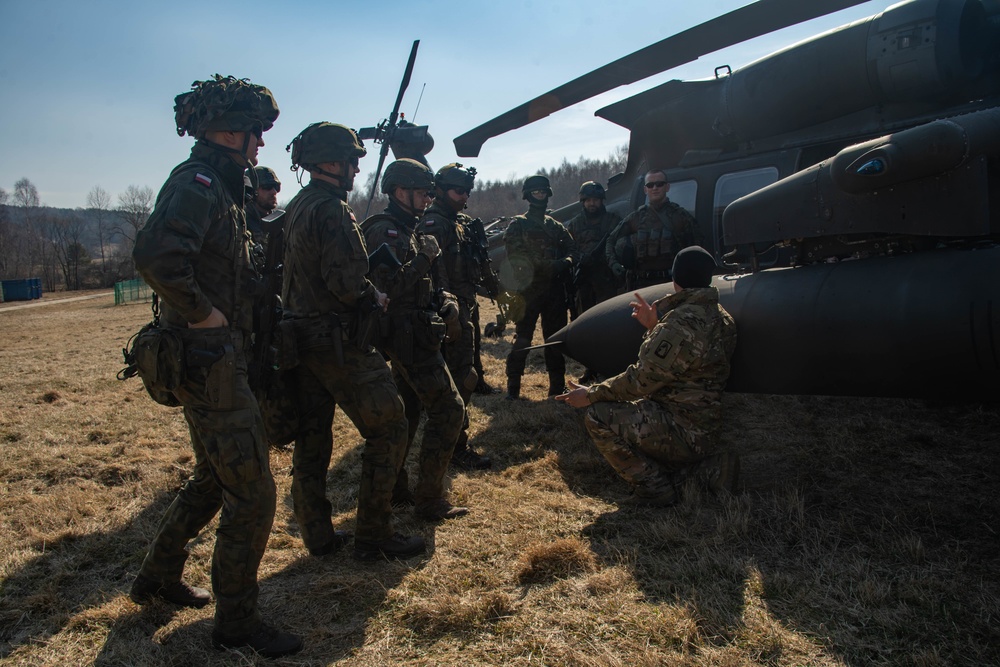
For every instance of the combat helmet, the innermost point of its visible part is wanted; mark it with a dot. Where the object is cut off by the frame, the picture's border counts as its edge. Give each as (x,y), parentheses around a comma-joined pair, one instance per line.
(325,142)
(455,175)
(266,178)
(592,189)
(407,173)
(536,182)
(224,104)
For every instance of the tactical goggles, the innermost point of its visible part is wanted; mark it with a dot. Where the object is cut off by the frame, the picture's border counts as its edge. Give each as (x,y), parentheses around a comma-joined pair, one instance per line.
(461,191)
(275,186)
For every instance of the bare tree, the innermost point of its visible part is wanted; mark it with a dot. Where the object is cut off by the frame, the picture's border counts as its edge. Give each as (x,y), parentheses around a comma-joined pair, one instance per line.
(66,235)
(6,233)
(26,250)
(134,207)
(99,202)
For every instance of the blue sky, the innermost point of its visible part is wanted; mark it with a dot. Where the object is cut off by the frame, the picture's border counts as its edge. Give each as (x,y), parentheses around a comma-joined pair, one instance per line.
(89,86)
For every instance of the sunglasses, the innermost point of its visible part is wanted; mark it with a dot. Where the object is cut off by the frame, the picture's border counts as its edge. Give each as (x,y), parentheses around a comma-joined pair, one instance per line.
(420,192)
(355,161)
(655,184)
(540,192)
(461,191)
(276,187)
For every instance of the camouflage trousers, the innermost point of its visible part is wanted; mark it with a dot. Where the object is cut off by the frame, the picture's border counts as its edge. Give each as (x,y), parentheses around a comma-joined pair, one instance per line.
(551,307)
(231,473)
(427,384)
(642,442)
(593,290)
(460,356)
(364,389)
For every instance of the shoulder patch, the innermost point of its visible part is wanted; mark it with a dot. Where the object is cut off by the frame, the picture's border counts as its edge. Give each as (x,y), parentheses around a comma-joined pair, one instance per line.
(663,349)
(391,233)
(203,179)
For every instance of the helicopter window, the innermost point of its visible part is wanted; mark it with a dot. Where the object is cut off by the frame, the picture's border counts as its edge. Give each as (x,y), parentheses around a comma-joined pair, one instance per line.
(731,187)
(683,194)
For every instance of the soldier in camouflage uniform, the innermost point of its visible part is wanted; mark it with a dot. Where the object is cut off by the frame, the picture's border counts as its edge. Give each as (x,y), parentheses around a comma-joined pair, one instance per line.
(415,332)
(658,422)
(541,254)
(593,278)
(278,406)
(462,275)
(263,202)
(329,305)
(642,249)
(194,252)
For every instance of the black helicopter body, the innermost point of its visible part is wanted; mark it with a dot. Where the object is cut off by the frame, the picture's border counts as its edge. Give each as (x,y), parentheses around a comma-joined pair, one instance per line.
(865,162)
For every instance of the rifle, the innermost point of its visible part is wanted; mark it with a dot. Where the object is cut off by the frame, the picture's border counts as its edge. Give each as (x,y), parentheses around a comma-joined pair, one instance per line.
(385,131)
(263,360)
(490,278)
(593,257)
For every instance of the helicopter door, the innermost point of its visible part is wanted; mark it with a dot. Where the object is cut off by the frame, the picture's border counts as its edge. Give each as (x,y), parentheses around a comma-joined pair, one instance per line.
(731,187)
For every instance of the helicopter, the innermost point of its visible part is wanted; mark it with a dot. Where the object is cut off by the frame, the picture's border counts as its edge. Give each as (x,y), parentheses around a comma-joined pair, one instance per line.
(844,185)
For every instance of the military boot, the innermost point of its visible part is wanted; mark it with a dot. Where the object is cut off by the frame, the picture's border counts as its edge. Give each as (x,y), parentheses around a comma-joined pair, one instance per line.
(513,389)
(267,641)
(557,385)
(398,546)
(145,590)
(439,509)
(718,473)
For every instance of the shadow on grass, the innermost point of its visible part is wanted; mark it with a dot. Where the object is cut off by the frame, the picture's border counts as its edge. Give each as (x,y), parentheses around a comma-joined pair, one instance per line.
(869,536)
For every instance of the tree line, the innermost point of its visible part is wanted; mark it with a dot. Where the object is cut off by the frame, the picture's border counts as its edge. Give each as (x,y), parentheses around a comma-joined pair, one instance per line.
(71,249)
(91,247)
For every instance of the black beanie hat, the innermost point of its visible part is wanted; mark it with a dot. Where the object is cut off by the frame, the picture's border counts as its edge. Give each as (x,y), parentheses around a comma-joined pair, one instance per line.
(693,267)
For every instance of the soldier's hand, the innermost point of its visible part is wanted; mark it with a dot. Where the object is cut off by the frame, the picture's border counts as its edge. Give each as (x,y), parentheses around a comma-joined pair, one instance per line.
(618,270)
(644,313)
(576,396)
(215,319)
(382,300)
(429,247)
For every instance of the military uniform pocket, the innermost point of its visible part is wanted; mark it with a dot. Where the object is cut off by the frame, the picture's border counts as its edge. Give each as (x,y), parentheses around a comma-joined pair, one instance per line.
(232,444)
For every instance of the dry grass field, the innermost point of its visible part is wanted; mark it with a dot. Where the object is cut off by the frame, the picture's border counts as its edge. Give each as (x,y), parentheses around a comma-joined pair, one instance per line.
(865,533)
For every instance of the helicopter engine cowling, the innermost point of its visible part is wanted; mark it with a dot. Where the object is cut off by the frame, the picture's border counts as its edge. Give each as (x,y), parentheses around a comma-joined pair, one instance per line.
(911,52)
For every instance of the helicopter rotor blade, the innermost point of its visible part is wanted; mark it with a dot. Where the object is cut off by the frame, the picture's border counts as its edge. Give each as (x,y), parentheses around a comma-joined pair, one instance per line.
(390,127)
(739,25)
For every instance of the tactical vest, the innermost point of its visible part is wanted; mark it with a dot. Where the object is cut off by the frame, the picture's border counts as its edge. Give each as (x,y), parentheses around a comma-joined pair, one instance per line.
(457,250)
(402,240)
(655,239)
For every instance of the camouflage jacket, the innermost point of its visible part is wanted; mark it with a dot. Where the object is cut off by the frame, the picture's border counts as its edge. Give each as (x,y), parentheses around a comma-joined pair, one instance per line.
(411,286)
(326,261)
(683,361)
(589,231)
(462,272)
(536,246)
(647,239)
(194,249)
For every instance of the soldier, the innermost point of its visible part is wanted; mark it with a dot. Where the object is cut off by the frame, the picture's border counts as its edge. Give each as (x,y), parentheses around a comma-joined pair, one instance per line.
(193,251)
(415,332)
(462,275)
(541,255)
(642,248)
(592,277)
(263,202)
(331,307)
(658,421)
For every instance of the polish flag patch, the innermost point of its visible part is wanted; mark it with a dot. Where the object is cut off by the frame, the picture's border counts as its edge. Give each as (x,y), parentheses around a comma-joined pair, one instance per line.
(203,179)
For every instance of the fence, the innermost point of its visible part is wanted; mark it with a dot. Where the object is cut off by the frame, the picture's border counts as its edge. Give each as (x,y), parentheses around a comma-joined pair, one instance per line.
(128,291)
